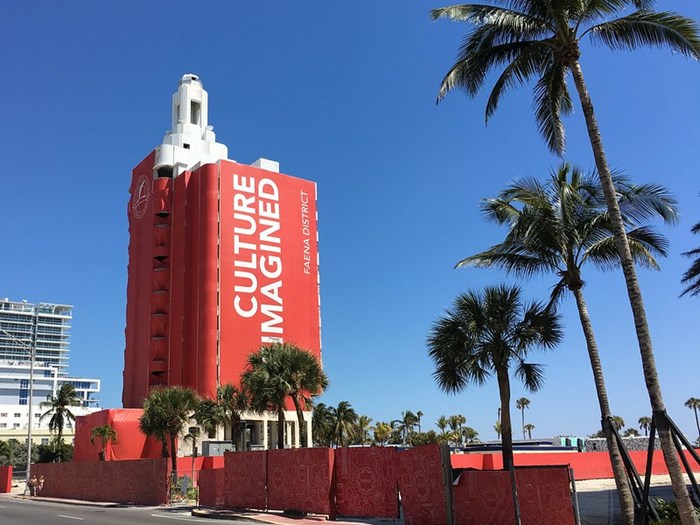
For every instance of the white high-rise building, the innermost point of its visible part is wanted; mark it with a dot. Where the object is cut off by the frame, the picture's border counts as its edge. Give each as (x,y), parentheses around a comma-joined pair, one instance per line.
(44,327)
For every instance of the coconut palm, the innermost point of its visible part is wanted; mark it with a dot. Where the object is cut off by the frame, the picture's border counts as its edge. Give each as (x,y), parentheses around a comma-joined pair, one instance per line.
(691,278)
(345,417)
(58,408)
(497,429)
(538,39)
(644,424)
(470,435)
(631,432)
(106,434)
(232,402)
(558,227)
(618,422)
(488,333)
(419,415)
(166,411)
(456,422)
(359,432)
(529,428)
(405,424)
(322,425)
(521,404)
(694,403)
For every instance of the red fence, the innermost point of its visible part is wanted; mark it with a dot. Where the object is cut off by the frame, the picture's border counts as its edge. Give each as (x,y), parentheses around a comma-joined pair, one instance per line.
(211,487)
(245,476)
(299,479)
(425,489)
(366,482)
(142,482)
(586,465)
(484,497)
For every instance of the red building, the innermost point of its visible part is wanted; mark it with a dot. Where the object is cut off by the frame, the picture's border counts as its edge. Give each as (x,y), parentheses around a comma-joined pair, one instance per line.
(223,257)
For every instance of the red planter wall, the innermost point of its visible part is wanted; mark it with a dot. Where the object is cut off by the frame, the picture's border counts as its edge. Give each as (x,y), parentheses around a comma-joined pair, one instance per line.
(245,474)
(142,482)
(211,487)
(300,479)
(5,479)
(366,482)
(422,482)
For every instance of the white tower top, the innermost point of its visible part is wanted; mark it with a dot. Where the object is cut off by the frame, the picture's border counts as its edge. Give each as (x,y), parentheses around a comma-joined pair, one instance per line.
(191,140)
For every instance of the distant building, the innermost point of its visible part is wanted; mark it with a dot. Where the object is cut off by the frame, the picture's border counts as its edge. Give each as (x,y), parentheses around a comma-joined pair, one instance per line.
(45,327)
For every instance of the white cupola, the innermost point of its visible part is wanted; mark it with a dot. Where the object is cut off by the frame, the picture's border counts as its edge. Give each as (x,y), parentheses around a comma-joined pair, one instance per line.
(191,140)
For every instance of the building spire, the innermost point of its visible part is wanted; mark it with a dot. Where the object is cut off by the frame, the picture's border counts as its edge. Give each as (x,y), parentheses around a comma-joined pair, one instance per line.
(191,140)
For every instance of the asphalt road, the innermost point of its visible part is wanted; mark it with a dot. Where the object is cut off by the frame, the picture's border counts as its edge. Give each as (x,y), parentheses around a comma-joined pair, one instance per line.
(27,512)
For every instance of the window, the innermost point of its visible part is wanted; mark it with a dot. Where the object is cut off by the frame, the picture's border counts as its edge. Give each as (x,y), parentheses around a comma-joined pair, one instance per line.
(3,425)
(15,425)
(4,414)
(17,414)
(37,415)
(44,441)
(195,111)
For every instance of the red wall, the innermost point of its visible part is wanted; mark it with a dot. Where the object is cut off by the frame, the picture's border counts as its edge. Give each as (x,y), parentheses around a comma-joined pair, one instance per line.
(142,482)
(484,497)
(586,465)
(130,444)
(247,233)
(211,487)
(300,479)
(5,479)
(366,482)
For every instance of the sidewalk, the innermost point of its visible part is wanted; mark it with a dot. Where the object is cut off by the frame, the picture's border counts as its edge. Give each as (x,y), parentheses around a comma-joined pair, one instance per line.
(278,518)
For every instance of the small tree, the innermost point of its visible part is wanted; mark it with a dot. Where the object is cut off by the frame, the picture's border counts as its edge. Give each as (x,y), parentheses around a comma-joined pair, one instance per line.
(645,424)
(106,434)
(5,453)
(529,428)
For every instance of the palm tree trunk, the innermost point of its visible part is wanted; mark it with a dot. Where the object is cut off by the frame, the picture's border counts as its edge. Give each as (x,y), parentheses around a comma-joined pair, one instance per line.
(522,410)
(618,467)
(507,435)
(300,421)
(173,455)
(697,423)
(646,350)
(280,427)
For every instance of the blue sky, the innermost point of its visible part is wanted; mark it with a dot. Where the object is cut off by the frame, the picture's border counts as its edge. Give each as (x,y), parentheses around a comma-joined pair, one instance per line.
(344,97)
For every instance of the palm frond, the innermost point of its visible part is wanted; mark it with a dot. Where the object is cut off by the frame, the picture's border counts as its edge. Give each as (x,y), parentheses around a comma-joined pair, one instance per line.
(531,375)
(648,28)
(551,101)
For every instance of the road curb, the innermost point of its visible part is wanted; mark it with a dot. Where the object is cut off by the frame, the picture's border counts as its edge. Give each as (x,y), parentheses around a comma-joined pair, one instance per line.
(79,503)
(215,514)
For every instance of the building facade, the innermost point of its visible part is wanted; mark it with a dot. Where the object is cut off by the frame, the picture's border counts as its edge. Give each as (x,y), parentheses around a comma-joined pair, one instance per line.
(222,259)
(44,327)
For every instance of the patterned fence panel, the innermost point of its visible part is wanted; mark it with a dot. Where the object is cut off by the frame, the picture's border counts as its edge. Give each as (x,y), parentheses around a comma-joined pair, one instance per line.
(300,479)
(245,474)
(142,482)
(211,487)
(485,497)
(366,482)
(425,484)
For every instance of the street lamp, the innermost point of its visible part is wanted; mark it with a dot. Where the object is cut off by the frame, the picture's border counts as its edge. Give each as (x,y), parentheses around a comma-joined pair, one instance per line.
(32,354)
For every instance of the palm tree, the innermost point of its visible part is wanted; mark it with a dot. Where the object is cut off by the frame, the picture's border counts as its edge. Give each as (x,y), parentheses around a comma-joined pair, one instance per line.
(231,402)
(691,278)
(644,424)
(382,431)
(359,432)
(497,429)
(521,404)
(694,403)
(345,417)
(456,423)
(529,428)
(165,413)
(558,227)
(106,434)
(305,377)
(266,386)
(405,424)
(322,425)
(419,415)
(538,39)
(487,333)
(470,435)
(58,408)
(631,432)
(618,422)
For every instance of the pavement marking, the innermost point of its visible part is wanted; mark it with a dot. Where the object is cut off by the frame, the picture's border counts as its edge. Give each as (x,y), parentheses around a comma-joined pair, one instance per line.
(2,507)
(70,517)
(197,520)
